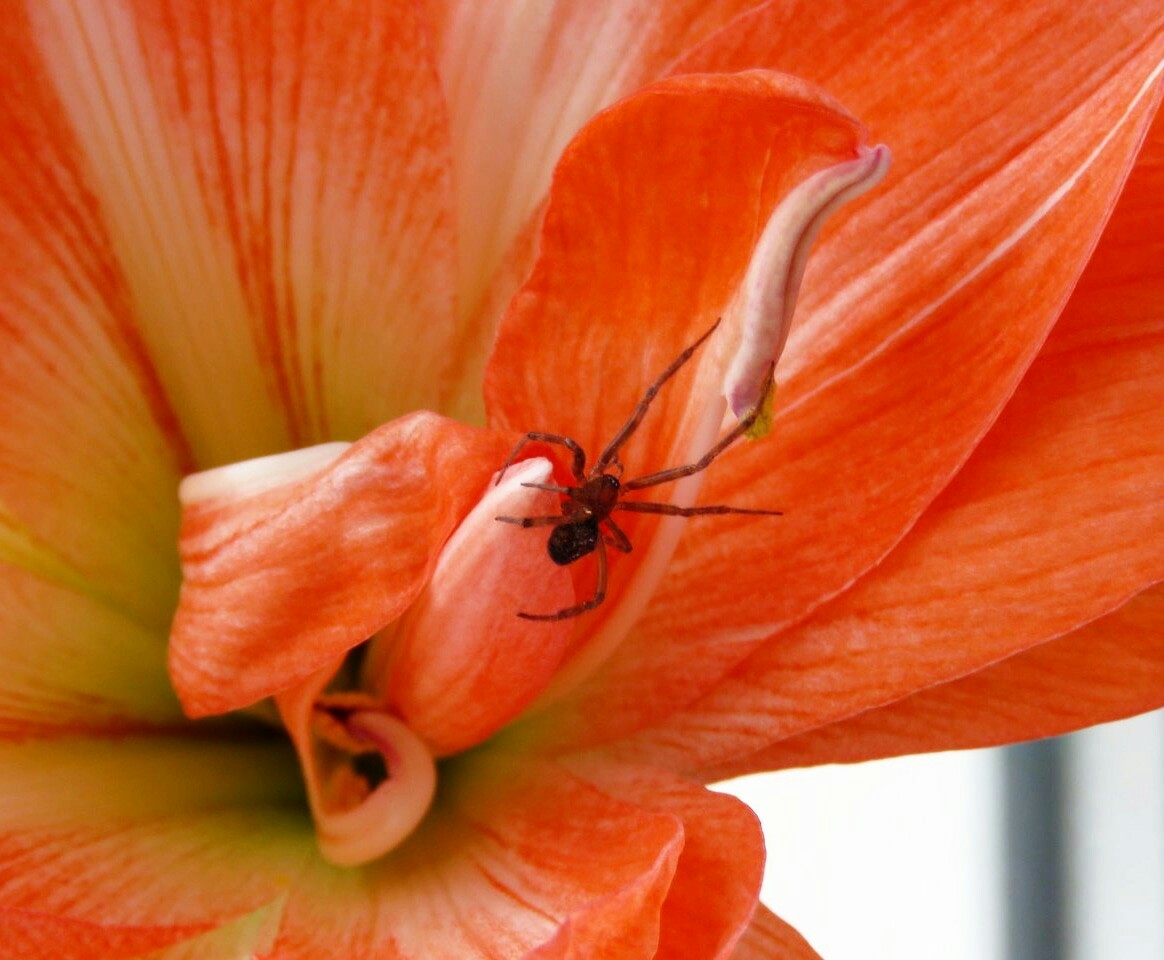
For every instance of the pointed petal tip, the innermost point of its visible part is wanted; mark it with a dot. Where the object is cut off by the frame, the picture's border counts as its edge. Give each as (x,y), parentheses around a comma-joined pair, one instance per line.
(777,266)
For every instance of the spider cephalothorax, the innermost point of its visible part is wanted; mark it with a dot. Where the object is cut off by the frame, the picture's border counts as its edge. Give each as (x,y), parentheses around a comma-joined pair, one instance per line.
(585,524)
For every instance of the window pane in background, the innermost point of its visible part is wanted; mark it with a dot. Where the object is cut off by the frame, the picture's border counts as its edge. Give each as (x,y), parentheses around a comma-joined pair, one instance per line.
(894,860)
(919,857)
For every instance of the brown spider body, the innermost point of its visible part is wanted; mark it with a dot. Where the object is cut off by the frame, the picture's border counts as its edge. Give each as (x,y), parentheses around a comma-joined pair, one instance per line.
(585,508)
(585,524)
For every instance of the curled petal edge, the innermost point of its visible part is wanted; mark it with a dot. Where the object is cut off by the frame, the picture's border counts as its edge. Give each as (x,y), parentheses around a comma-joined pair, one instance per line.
(777,266)
(352,829)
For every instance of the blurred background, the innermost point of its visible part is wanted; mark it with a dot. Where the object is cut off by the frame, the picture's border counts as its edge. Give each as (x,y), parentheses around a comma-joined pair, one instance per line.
(1052,850)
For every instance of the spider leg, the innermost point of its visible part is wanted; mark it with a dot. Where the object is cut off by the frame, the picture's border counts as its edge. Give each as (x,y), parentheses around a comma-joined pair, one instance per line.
(551,487)
(675,473)
(645,506)
(578,609)
(578,467)
(614,536)
(628,428)
(532,521)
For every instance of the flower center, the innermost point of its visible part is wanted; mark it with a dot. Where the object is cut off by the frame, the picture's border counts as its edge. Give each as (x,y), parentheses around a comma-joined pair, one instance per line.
(370,779)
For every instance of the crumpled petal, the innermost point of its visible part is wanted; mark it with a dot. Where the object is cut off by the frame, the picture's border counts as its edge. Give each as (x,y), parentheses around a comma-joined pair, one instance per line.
(357,821)
(280,582)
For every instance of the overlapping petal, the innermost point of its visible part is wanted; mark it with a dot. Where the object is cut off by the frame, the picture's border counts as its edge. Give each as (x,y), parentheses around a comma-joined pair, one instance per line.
(1107,670)
(273,185)
(641,251)
(1055,520)
(139,843)
(497,872)
(770,938)
(461,664)
(72,665)
(279,583)
(520,80)
(908,365)
(713,894)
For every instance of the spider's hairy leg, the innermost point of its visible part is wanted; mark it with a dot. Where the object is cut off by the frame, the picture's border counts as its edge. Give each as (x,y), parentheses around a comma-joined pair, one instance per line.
(551,488)
(676,473)
(533,521)
(577,467)
(581,608)
(614,537)
(646,506)
(610,454)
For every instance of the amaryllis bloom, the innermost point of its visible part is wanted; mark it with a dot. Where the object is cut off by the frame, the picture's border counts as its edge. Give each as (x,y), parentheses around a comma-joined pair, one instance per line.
(284,282)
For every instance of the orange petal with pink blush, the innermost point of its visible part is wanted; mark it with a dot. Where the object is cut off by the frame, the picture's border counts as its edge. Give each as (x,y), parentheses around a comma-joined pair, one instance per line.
(461,664)
(285,572)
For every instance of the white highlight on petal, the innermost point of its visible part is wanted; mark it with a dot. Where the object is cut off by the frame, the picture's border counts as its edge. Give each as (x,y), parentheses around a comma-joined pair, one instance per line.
(250,477)
(773,277)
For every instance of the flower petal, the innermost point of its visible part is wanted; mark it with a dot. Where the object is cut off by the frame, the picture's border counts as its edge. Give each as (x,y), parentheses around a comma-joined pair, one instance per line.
(90,450)
(282,581)
(516,860)
(462,663)
(72,665)
(770,938)
(356,820)
(1056,519)
(636,261)
(1108,670)
(144,841)
(661,261)
(45,936)
(248,937)
(274,183)
(717,881)
(900,381)
(520,80)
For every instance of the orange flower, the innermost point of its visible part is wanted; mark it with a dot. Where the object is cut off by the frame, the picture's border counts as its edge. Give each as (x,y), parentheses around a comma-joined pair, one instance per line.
(233,230)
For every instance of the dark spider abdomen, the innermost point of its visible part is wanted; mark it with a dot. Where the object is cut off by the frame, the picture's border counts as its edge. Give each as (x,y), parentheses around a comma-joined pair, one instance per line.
(571,540)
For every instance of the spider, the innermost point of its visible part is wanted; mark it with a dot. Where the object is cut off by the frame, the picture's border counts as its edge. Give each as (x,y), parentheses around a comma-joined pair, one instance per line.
(585,524)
